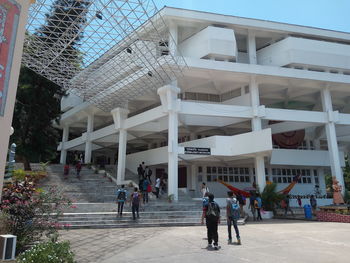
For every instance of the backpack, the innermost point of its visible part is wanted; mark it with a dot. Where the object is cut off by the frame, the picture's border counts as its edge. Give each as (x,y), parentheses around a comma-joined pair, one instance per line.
(122,195)
(135,199)
(235,210)
(213,211)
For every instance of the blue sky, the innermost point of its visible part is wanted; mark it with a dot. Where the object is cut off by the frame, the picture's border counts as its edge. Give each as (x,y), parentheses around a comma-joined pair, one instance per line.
(328,14)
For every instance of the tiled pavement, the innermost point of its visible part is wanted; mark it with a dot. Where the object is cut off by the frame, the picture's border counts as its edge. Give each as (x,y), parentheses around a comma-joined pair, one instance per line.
(267,241)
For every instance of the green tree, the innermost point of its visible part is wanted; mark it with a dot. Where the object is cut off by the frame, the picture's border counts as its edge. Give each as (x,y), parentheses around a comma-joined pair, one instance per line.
(54,46)
(346,173)
(37,106)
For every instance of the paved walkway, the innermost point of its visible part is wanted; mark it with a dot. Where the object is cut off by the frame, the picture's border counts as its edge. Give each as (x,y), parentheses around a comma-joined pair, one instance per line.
(269,241)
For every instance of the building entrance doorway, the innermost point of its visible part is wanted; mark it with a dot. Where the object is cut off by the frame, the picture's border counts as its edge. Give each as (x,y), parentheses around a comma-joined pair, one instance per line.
(182,177)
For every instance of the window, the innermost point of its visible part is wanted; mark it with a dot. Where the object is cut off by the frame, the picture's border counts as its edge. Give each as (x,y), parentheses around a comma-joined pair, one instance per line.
(208,178)
(230,178)
(247,179)
(200,169)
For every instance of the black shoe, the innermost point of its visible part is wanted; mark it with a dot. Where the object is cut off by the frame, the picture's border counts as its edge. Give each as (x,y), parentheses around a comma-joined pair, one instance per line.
(216,247)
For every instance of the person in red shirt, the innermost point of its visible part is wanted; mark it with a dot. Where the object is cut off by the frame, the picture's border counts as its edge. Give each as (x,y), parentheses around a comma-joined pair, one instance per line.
(66,171)
(78,169)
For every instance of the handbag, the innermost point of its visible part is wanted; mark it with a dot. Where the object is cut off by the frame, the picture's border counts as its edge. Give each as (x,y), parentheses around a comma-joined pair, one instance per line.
(149,188)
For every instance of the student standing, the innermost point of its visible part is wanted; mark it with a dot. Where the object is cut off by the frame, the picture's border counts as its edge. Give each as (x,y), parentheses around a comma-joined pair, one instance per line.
(313,203)
(258,205)
(211,213)
(252,206)
(233,214)
(135,201)
(145,185)
(122,194)
(287,206)
(66,171)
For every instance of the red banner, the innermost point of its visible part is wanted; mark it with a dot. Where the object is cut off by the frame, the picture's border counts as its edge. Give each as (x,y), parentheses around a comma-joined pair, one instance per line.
(9,17)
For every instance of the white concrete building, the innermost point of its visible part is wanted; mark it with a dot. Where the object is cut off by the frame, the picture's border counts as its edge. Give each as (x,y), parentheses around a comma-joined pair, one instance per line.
(269,100)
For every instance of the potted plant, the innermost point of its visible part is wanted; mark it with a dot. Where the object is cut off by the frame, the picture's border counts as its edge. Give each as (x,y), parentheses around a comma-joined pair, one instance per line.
(170,198)
(270,198)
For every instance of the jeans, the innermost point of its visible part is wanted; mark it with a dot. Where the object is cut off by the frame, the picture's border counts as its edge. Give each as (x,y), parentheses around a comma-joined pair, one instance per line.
(231,221)
(212,231)
(259,214)
(145,196)
(135,209)
(120,207)
(252,208)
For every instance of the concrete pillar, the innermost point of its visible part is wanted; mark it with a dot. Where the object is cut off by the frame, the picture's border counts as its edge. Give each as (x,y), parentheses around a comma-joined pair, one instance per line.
(168,96)
(251,47)
(121,155)
(193,176)
(332,137)
(88,143)
(65,136)
(173,38)
(256,126)
(119,117)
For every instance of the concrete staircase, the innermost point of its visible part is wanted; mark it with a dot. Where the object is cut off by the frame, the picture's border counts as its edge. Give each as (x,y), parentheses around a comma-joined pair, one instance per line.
(95,207)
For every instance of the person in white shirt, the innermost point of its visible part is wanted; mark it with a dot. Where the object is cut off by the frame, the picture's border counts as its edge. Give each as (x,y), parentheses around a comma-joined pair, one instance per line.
(157,186)
(204,189)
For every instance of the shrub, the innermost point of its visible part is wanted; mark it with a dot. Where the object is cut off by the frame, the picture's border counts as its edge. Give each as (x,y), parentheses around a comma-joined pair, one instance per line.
(48,252)
(31,213)
(270,198)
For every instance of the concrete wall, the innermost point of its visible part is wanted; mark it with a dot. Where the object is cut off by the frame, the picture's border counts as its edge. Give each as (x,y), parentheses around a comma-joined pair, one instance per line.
(213,42)
(6,120)
(294,50)
(303,157)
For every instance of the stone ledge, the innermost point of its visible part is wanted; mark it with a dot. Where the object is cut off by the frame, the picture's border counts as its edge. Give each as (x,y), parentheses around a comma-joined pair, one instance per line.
(332,217)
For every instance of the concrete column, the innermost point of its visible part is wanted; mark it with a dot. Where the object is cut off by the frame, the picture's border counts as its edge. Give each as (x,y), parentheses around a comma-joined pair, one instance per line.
(173,38)
(88,144)
(121,156)
(193,177)
(65,136)
(332,137)
(168,97)
(256,126)
(119,117)
(251,44)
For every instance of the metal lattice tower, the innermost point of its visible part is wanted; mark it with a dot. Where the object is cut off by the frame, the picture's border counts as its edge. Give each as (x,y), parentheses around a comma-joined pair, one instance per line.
(105,51)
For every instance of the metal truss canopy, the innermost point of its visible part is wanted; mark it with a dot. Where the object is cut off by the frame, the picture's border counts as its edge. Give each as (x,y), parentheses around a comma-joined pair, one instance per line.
(105,51)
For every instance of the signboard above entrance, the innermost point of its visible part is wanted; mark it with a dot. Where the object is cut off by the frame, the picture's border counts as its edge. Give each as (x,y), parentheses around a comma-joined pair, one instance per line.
(198,151)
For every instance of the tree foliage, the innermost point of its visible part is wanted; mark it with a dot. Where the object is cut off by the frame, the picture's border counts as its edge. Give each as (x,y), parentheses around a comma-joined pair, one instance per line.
(38,99)
(270,198)
(37,105)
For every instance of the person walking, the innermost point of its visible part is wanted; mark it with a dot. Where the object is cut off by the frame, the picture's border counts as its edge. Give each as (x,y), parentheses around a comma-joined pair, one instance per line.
(258,206)
(135,202)
(313,203)
(204,189)
(287,206)
(157,186)
(145,185)
(66,171)
(122,194)
(148,174)
(252,206)
(232,214)
(211,213)
(78,169)
(140,174)
(299,201)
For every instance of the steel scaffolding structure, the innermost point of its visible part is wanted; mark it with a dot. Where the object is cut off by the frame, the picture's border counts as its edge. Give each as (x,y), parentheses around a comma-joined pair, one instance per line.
(105,51)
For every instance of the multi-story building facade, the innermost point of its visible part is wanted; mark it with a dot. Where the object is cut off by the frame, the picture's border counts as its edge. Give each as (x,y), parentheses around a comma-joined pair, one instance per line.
(267,101)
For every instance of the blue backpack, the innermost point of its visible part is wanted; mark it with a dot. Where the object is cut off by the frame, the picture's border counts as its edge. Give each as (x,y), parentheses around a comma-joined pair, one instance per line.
(235,210)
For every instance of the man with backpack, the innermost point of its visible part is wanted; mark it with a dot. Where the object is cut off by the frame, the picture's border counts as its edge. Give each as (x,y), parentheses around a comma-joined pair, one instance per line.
(211,213)
(233,214)
(135,201)
(121,198)
(258,206)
